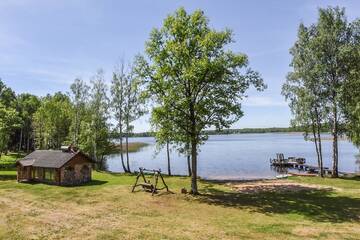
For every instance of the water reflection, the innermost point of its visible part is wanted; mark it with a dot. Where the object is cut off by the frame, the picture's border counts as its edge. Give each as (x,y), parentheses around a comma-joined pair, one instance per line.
(279,170)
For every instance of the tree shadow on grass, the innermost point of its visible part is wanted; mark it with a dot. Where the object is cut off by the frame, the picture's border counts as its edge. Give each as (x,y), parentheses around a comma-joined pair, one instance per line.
(315,204)
(353,178)
(91,183)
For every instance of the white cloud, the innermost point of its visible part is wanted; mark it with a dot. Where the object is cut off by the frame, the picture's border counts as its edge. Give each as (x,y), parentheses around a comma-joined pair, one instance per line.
(263,102)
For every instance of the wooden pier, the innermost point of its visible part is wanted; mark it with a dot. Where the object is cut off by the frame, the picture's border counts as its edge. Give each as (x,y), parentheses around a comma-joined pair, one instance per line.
(296,163)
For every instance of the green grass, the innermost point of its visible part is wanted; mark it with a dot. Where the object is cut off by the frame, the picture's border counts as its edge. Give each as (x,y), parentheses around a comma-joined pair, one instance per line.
(105,209)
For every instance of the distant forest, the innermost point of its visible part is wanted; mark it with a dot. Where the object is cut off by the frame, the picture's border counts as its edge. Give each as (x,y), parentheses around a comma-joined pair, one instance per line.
(236,131)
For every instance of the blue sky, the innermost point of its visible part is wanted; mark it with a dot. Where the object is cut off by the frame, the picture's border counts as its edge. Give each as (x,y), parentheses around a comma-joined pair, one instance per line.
(45,44)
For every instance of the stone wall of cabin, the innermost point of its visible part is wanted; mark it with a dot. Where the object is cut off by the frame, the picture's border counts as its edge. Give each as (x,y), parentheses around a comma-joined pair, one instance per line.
(76,171)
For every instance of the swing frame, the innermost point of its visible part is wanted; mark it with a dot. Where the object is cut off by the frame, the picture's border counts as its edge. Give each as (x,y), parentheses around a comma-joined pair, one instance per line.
(147,185)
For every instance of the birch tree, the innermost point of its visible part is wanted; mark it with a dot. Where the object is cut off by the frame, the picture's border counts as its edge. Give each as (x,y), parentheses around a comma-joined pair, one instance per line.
(118,93)
(134,107)
(95,130)
(304,89)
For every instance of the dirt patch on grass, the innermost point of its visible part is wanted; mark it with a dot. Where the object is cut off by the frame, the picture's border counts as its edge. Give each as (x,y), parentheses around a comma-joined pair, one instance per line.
(273,186)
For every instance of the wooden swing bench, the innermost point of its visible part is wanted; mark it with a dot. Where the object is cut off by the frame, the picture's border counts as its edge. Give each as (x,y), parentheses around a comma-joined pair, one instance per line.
(147,185)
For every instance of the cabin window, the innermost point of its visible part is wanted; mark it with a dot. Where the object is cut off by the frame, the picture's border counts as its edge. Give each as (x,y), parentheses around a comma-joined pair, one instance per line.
(37,173)
(49,174)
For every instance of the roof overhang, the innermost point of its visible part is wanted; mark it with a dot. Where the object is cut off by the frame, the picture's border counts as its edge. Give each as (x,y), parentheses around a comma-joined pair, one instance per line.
(26,162)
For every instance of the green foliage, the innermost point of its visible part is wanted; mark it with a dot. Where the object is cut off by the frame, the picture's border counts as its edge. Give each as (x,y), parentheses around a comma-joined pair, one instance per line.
(52,121)
(7,96)
(79,91)
(304,86)
(351,91)
(9,121)
(9,118)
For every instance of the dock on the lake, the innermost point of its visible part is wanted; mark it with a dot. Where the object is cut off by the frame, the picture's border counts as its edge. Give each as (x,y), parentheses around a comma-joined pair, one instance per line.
(296,163)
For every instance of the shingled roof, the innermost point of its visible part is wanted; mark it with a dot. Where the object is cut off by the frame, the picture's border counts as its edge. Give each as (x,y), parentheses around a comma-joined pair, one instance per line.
(48,158)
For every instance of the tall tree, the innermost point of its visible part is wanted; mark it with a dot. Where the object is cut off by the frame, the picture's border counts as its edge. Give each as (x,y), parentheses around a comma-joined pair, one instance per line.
(194,78)
(80,91)
(118,93)
(134,106)
(304,89)
(95,129)
(333,37)
(27,105)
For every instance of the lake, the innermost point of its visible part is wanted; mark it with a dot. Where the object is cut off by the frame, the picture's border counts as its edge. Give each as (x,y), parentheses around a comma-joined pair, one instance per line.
(239,156)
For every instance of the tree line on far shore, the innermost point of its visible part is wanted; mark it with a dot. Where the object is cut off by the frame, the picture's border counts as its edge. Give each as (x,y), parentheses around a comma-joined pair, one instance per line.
(191,81)
(293,129)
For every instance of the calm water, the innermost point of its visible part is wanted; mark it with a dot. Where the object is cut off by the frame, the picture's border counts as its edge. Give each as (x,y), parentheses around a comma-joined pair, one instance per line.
(243,156)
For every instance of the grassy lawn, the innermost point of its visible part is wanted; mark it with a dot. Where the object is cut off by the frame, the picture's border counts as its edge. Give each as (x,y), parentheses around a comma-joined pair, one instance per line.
(105,209)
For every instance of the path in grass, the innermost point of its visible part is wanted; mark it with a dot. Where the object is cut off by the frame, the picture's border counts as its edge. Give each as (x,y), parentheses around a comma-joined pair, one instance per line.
(105,209)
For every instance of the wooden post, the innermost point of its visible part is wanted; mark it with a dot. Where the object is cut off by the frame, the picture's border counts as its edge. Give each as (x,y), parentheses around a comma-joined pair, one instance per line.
(156,181)
(167,189)
(137,178)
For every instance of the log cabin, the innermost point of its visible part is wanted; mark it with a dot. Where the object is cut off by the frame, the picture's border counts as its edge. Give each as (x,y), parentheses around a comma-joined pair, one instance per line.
(59,167)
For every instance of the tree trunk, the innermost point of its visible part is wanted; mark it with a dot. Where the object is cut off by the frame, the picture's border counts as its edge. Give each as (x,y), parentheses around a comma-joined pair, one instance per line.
(318,125)
(188,156)
(320,153)
(122,151)
(21,138)
(316,142)
(168,157)
(189,164)
(94,145)
(193,140)
(194,188)
(127,146)
(335,142)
